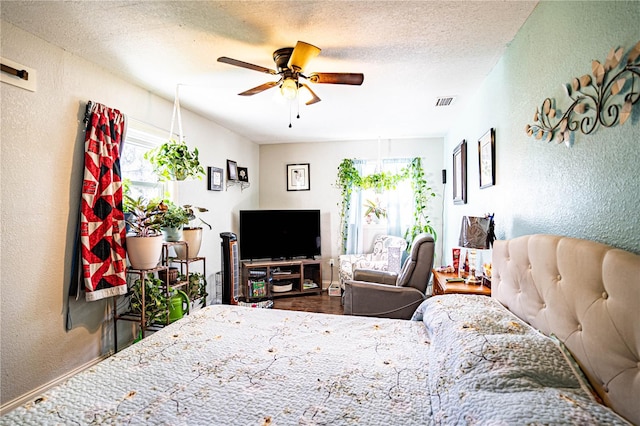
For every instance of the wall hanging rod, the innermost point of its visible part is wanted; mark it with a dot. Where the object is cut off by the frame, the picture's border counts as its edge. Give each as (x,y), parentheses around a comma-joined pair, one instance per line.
(23,74)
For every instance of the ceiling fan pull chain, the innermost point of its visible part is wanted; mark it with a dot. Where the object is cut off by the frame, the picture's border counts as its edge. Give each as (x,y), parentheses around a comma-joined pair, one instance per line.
(298,99)
(290,115)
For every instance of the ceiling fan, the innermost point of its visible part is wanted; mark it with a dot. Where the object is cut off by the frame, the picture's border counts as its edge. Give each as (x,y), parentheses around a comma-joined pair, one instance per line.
(290,64)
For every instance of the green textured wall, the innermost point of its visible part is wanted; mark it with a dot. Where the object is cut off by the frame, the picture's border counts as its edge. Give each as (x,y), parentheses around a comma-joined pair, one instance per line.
(591,190)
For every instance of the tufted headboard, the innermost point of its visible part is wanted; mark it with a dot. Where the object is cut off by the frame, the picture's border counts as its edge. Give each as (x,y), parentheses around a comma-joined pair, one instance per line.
(588,295)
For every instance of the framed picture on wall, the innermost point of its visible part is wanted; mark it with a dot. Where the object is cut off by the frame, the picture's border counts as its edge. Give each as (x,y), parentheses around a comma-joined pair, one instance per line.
(298,177)
(243,174)
(460,173)
(214,181)
(487,159)
(232,170)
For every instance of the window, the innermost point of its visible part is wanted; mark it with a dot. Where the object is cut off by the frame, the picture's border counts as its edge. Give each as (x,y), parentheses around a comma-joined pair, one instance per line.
(394,208)
(140,138)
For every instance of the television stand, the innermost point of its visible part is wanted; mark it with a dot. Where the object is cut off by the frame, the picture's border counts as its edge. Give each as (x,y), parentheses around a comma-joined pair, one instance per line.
(294,277)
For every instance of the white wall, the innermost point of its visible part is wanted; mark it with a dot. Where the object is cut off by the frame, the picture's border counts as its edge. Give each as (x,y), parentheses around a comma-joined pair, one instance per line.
(42,165)
(324,159)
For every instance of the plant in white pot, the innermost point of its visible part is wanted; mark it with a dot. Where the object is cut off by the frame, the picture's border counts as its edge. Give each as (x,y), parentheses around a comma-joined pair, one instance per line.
(173,220)
(144,243)
(192,233)
(174,161)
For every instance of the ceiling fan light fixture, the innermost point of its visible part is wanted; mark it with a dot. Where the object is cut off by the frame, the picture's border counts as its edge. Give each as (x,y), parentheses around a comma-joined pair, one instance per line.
(289,88)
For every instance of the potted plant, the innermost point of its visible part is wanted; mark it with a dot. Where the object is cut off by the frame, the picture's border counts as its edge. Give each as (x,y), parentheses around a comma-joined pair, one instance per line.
(144,244)
(156,307)
(173,220)
(173,161)
(192,233)
(197,287)
(374,209)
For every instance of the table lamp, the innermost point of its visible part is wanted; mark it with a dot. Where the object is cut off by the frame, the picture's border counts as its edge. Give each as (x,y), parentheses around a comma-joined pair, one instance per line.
(475,233)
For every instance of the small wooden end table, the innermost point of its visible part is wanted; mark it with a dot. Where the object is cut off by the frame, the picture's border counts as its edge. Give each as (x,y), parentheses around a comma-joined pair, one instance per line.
(442,286)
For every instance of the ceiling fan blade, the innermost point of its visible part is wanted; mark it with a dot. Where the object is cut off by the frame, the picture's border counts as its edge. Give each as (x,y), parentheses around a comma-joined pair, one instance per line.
(247,65)
(336,78)
(302,53)
(259,89)
(314,98)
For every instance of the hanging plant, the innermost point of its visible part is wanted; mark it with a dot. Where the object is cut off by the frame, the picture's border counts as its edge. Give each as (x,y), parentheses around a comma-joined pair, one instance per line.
(421,195)
(383,181)
(173,161)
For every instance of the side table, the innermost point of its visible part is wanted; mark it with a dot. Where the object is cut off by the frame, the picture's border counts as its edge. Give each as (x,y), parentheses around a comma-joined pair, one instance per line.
(442,286)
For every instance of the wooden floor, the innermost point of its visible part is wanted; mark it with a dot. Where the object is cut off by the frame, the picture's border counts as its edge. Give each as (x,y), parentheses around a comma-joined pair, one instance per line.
(310,303)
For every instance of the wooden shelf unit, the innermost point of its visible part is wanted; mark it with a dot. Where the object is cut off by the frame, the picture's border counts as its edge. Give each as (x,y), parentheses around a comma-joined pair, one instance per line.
(296,272)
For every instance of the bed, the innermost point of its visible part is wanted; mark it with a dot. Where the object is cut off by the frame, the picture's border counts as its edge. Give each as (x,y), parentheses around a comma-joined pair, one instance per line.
(461,360)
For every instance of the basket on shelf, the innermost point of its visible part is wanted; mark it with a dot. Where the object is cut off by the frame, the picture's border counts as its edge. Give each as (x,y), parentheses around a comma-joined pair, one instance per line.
(169,276)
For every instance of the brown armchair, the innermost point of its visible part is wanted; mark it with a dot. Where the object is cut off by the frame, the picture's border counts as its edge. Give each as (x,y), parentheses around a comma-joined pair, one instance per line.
(391,295)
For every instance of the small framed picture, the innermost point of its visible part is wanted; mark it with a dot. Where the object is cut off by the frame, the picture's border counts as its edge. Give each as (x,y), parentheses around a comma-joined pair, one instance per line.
(460,173)
(243,174)
(232,170)
(214,183)
(487,158)
(298,177)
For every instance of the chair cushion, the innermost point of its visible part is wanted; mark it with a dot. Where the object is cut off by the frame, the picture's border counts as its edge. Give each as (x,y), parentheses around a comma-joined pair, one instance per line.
(378,260)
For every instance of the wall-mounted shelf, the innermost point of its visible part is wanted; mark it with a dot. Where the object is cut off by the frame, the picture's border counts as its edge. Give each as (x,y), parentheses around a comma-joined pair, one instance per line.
(243,184)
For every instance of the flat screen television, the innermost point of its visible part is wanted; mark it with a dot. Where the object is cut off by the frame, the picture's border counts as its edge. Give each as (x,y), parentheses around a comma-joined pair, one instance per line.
(279,234)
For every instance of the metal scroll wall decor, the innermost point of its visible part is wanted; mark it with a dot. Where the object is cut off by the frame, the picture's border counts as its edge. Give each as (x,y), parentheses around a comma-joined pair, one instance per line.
(605,98)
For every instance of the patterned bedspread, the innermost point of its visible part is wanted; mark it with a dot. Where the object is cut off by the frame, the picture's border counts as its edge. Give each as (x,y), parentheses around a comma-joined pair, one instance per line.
(464,360)
(228,365)
(489,367)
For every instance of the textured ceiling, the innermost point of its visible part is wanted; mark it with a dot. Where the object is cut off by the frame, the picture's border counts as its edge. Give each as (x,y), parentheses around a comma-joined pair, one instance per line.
(411,53)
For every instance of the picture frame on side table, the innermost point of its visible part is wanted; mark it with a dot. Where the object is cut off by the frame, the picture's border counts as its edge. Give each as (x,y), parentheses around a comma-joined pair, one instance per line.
(232,170)
(214,181)
(298,178)
(487,159)
(243,174)
(460,173)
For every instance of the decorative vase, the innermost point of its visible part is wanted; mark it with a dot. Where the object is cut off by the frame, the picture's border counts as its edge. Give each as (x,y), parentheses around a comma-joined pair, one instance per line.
(172,234)
(193,237)
(144,252)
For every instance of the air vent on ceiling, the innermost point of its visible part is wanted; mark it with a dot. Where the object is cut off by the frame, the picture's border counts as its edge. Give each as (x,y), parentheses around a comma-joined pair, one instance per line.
(444,101)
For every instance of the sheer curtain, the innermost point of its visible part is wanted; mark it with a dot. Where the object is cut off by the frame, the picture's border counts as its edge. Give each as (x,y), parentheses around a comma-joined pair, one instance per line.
(355,213)
(102,225)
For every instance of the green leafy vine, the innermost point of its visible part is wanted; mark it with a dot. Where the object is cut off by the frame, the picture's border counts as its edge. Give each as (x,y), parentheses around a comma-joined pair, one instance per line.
(421,195)
(349,179)
(174,161)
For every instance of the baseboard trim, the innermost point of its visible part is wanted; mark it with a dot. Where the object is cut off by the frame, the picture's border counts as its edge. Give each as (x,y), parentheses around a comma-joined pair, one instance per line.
(23,399)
